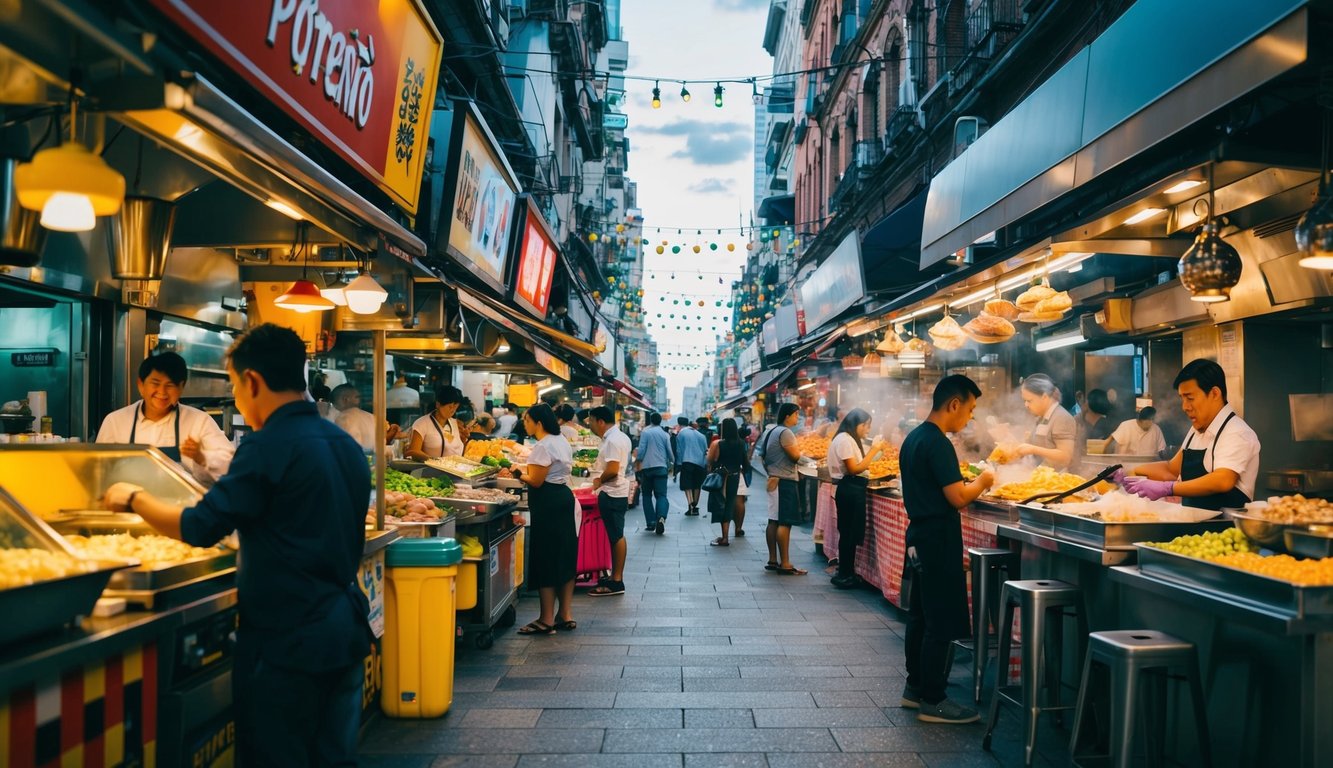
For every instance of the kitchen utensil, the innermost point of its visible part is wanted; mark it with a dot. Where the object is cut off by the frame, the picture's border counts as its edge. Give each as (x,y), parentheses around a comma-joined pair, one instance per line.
(1055,498)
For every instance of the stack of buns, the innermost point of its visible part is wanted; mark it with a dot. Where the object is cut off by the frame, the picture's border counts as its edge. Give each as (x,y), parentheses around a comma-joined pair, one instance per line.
(892,344)
(1042,304)
(1003,308)
(986,328)
(947,334)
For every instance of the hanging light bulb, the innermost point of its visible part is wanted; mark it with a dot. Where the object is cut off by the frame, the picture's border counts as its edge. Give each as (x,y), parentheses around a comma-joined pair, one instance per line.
(1210,267)
(684,93)
(364,295)
(304,296)
(657,96)
(70,186)
(334,291)
(1314,232)
(717,96)
(504,345)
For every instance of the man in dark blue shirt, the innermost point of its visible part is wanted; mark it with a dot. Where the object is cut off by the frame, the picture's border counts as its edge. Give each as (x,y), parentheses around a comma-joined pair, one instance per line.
(933,492)
(297,493)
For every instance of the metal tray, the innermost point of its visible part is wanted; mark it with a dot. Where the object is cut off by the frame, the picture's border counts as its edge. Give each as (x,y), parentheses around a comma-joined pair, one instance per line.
(133,582)
(430,470)
(48,605)
(1264,590)
(1315,541)
(479,507)
(997,507)
(1104,535)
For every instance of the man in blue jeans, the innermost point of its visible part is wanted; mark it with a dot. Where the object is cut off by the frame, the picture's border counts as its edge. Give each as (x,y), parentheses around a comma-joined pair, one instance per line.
(651,465)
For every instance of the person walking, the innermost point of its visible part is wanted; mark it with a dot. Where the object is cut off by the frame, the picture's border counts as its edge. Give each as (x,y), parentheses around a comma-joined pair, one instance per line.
(681,423)
(778,453)
(933,492)
(747,478)
(693,455)
(726,455)
(847,464)
(613,493)
(554,534)
(296,492)
(653,461)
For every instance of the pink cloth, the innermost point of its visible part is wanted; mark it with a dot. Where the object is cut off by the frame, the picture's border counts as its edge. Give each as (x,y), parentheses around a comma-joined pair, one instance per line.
(594,546)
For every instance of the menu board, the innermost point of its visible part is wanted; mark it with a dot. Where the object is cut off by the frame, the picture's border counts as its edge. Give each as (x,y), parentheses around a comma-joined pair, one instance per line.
(536,264)
(482,207)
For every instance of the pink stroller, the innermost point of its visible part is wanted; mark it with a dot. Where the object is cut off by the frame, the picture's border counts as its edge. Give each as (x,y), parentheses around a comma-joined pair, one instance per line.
(594,559)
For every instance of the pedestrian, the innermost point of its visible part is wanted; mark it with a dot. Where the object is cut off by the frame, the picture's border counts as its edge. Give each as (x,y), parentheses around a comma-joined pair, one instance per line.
(747,478)
(612,485)
(778,454)
(652,463)
(727,456)
(847,464)
(681,423)
(693,456)
(933,492)
(296,492)
(506,419)
(554,532)
(564,413)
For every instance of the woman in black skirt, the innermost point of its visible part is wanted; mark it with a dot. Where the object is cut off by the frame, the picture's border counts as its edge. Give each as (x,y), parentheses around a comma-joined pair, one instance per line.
(554,540)
(726,455)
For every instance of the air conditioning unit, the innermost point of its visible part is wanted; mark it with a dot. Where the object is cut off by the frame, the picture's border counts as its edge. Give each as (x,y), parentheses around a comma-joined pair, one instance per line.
(966,130)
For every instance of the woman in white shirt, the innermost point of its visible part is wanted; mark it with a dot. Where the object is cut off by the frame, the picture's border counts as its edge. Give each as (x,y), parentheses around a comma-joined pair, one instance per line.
(554,536)
(847,464)
(568,428)
(438,433)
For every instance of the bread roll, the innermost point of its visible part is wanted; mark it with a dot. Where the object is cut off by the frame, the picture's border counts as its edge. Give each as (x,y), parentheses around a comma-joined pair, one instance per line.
(1028,300)
(1003,308)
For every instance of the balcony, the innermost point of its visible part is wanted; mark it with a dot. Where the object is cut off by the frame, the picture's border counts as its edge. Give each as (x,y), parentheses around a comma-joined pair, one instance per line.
(845,190)
(869,153)
(991,26)
(901,125)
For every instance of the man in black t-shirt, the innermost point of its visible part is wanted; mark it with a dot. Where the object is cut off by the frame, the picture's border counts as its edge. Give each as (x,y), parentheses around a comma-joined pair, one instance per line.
(933,492)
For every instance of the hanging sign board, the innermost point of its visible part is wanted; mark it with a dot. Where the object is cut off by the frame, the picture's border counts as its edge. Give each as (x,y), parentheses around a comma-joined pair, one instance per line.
(359,76)
(475,228)
(536,263)
(836,285)
(551,363)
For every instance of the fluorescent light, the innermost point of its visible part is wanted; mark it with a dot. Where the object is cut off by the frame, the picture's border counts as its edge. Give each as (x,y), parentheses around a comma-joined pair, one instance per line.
(551,388)
(1144,215)
(805,386)
(1181,186)
(1075,268)
(1058,340)
(504,345)
(973,297)
(1017,280)
(919,312)
(284,209)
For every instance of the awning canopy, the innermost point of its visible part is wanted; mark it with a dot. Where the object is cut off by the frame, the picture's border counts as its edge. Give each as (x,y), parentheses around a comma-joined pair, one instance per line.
(1149,76)
(891,249)
(778,208)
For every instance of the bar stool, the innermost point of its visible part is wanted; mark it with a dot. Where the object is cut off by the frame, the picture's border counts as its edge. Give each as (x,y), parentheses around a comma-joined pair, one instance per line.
(1036,599)
(987,566)
(1128,654)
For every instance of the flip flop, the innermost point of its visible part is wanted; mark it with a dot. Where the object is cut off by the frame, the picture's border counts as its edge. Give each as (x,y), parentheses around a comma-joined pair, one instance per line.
(718,542)
(567,626)
(792,571)
(536,628)
(771,566)
(740,533)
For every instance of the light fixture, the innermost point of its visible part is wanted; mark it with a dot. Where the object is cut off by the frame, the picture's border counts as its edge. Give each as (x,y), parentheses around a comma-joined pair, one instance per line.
(364,295)
(334,291)
(657,96)
(1058,340)
(1314,232)
(717,96)
(504,345)
(1182,186)
(284,209)
(1144,215)
(805,386)
(304,296)
(551,388)
(685,97)
(1210,267)
(70,185)
(972,297)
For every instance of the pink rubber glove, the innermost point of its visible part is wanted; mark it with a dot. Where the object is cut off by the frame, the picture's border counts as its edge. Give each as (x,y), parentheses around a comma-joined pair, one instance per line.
(1119,477)
(1152,490)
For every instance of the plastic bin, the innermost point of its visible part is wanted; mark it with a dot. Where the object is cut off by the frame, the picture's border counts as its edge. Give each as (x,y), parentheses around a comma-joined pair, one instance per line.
(419,612)
(466,592)
(520,556)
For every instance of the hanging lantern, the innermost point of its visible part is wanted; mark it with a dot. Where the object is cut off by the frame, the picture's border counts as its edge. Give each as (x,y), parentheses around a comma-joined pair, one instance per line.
(592,237)
(597,294)
(640,292)
(660,249)
(712,246)
(701,302)
(697,249)
(675,249)
(749,246)
(620,228)
(731,246)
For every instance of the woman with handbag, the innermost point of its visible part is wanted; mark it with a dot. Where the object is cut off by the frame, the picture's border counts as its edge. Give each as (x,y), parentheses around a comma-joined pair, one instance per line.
(846,464)
(726,457)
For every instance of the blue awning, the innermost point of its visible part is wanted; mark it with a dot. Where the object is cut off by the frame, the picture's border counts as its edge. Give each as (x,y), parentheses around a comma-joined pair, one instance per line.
(781,209)
(891,249)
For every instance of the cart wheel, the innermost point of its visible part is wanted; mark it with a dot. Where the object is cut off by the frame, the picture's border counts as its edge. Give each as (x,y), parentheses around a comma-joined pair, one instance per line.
(485,640)
(508,618)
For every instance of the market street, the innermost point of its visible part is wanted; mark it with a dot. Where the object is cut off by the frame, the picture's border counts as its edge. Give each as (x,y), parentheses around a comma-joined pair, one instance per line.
(706,660)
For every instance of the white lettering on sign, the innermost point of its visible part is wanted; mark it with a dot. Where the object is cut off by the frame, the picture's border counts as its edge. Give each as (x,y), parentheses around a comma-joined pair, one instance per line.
(344,59)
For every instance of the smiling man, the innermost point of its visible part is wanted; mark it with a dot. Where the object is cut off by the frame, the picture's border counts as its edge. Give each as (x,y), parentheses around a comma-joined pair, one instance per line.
(1219,463)
(186,435)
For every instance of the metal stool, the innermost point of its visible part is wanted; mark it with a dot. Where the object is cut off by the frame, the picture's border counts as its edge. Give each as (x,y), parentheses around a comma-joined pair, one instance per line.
(986,565)
(1128,654)
(1036,598)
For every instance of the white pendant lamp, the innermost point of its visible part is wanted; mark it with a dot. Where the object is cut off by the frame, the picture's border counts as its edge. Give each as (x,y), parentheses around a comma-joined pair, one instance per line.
(68,184)
(334,291)
(364,295)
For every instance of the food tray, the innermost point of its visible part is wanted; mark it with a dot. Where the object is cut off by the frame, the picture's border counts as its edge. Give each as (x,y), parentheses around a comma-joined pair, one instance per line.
(1264,590)
(458,476)
(474,506)
(1104,535)
(1316,541)
(999,507)
(51,604)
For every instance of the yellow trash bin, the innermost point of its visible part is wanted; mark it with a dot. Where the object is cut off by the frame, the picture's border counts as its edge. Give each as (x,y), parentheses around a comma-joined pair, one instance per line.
(419,611)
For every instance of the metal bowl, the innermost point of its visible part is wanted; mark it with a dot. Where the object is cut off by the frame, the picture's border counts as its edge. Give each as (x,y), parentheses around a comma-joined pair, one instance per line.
(1258,529)
(1314,541)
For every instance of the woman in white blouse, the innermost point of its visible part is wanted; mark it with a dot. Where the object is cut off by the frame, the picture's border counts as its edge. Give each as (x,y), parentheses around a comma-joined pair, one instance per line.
(554,536)
(438,433)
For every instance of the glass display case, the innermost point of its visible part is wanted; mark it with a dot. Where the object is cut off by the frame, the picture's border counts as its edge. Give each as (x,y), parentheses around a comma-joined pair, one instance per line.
(61,479)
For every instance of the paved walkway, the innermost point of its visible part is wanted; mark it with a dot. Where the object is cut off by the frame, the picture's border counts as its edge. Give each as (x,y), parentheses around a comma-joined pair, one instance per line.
(707,660)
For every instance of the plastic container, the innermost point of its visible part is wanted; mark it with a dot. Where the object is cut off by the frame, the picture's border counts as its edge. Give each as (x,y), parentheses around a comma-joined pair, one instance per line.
(520,556)
(419,610)
(466,592)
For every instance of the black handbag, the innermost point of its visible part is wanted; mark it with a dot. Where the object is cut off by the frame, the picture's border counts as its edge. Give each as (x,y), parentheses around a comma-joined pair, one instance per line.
(715,481)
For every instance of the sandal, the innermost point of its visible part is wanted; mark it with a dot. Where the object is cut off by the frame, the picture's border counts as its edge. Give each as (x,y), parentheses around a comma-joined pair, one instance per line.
(792,571)
(719,542)
(771,566)
(567,626)
(536,628)
(607,588)
(740,532)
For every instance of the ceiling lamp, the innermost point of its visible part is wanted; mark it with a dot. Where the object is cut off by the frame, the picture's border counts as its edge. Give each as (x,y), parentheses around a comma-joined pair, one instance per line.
(334,291)
(657,96)
(70,186)
(504,345)
(1314,232)
(1210,267)
(304,296)
(364,295)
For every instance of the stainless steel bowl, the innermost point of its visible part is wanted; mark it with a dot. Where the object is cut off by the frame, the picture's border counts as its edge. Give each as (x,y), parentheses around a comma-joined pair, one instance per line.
(1258,529)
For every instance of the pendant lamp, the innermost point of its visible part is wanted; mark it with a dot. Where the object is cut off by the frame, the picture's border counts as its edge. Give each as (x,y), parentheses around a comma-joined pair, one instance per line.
(364,295)
(334,291)
(70,185)
(304,296)
(1210,267)
(1314,232)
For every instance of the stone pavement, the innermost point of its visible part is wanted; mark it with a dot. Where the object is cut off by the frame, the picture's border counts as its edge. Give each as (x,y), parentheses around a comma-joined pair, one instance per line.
(706,661)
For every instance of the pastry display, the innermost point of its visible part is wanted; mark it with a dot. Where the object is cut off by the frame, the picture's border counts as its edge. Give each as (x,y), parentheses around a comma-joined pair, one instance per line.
(986,328)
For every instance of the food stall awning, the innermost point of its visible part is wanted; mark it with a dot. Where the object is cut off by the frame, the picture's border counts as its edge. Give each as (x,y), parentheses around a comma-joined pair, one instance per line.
(495,310)
(891,248)
(1148,77)
(630,391)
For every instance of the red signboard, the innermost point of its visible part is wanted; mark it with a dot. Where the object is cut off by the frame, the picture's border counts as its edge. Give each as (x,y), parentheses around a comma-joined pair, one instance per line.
(359,76)
(536,265)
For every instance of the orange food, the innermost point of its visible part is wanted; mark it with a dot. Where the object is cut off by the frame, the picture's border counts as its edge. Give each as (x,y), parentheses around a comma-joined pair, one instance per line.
(813,445)
(885,465)
(1309,573)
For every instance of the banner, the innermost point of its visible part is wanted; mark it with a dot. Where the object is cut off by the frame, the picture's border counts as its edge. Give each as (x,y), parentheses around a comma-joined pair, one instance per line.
(536,264)
(481,213)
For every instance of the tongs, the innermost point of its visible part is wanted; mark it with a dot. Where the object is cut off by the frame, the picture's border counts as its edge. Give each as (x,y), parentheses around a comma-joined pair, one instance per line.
(1058,496)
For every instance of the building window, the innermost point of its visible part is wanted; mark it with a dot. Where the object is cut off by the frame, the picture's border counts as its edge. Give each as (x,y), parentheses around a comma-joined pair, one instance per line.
(916,44)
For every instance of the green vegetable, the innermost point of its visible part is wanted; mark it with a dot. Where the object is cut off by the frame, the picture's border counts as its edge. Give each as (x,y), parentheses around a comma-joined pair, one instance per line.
(417,486)
(506,463)
(490,461)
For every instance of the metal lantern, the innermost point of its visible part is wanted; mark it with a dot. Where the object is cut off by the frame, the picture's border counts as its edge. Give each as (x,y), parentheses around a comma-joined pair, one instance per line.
(1210,267)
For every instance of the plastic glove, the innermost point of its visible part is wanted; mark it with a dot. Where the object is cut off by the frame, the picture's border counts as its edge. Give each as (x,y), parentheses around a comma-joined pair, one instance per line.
(1153,490)
(1119,477)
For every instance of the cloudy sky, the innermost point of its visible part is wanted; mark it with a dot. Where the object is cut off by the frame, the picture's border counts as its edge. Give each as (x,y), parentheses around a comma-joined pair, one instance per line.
(693,162)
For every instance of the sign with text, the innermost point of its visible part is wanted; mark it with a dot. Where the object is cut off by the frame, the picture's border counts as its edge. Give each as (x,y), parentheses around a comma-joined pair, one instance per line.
(836,285)
(43,358)
(475,229)
(536,263)
(359,76)
(551,363)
